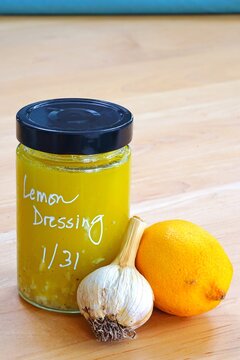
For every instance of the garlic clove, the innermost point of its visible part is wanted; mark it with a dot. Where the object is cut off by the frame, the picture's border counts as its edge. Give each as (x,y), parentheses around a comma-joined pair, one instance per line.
(116,299)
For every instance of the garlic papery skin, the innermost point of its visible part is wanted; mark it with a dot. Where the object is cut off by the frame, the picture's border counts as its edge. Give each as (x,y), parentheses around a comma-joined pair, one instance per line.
(122,294)
(116,299)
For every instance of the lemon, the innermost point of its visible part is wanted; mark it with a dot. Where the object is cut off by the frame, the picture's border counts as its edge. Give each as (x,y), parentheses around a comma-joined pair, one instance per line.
(186,267)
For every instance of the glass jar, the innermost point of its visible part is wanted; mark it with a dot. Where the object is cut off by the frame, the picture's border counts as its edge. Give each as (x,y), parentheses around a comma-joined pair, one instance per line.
(73,178)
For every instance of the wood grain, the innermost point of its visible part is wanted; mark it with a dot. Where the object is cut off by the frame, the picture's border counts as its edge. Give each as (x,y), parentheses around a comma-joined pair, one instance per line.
(181,78)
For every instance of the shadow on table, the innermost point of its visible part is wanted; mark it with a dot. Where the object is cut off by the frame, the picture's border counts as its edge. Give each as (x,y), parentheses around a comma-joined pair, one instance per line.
(162,337)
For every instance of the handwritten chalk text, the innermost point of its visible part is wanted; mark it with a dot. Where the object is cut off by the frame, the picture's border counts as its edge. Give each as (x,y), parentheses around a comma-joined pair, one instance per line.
(42,197)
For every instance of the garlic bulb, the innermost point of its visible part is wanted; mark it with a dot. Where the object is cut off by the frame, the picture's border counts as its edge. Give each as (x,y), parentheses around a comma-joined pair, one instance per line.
(116,299)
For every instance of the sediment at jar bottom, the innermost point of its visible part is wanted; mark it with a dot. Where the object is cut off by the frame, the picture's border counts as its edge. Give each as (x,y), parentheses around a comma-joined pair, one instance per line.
(48,306)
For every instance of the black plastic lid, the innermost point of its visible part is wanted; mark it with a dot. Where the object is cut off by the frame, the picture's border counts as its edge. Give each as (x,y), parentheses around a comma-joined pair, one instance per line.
(74,126)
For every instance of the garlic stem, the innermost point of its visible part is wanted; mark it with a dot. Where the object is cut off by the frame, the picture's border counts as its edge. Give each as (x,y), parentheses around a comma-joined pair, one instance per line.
(131,242)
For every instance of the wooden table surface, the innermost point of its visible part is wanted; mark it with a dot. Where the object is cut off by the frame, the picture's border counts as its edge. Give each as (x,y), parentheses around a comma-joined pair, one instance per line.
(181,78)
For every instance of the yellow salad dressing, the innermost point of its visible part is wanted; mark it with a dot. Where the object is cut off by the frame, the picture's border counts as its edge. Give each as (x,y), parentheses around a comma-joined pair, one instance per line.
(72,211)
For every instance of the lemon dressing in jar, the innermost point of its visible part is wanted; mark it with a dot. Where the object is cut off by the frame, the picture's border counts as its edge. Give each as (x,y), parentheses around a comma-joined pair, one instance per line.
(73,178)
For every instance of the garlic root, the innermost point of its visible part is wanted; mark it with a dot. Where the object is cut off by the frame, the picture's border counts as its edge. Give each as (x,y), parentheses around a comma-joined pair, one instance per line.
(116,299)
(110,330)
